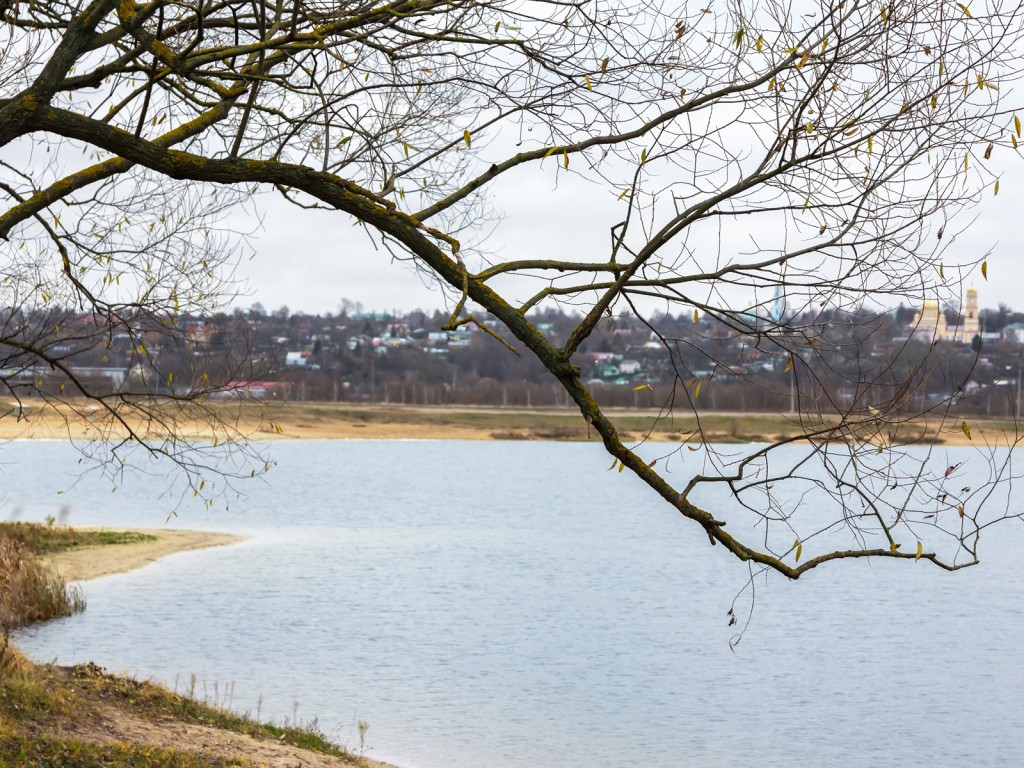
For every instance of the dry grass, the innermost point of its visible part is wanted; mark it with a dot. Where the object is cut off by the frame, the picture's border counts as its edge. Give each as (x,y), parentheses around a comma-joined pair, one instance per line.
(29,591)
(47,539)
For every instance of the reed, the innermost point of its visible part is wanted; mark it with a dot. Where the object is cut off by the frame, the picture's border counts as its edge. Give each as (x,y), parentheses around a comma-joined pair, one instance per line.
(29,590)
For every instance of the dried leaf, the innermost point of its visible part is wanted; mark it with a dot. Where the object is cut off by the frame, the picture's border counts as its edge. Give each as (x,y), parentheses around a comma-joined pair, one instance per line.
(789,365)
(966,430)
(920,550)
(466,138)
(984,266)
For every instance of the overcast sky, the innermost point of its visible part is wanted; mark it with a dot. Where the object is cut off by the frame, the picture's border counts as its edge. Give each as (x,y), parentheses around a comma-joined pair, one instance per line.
(311,260)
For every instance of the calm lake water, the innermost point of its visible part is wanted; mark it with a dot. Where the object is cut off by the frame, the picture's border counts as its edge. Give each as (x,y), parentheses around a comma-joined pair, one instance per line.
(515,605)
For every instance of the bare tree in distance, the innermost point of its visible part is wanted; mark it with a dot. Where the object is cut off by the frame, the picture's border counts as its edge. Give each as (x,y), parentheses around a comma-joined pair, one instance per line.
(814,159)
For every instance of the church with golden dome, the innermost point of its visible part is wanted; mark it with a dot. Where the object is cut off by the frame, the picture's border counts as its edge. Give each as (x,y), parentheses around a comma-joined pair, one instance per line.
(930,323)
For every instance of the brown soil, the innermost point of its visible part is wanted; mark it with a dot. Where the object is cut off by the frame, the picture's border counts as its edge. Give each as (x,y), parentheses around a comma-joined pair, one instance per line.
(99,708)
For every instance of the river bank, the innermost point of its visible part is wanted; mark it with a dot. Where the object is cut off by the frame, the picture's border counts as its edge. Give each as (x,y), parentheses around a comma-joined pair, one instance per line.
(331,421)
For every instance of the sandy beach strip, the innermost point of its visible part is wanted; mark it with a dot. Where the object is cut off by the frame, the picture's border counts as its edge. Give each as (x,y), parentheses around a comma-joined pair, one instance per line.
(82,564)
(260,421)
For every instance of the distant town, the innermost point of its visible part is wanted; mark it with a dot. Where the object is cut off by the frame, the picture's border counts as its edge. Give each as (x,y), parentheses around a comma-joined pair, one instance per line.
(923,357)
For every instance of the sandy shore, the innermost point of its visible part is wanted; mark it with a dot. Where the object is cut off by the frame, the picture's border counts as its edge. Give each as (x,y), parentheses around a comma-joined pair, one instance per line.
(86,563)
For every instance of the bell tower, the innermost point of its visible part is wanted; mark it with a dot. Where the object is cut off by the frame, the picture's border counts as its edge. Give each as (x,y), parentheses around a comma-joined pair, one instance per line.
(971,325)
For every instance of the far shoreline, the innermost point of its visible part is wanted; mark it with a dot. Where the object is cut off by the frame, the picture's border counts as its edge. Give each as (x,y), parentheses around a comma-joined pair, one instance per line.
(258,421)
